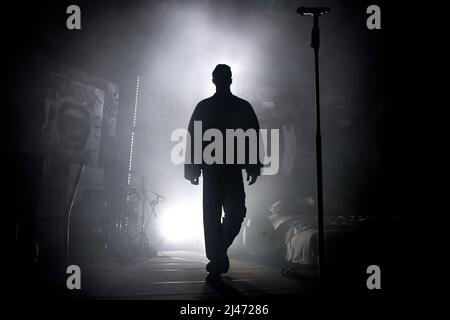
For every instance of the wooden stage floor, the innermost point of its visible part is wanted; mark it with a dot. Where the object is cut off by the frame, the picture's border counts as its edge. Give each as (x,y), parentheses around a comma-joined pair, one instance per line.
(180,275)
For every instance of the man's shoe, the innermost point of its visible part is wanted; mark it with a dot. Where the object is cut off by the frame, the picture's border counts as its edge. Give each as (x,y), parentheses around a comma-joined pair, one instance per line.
(218,265)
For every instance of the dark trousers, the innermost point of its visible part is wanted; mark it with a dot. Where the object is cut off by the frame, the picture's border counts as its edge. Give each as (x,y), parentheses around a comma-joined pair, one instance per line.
(222,188)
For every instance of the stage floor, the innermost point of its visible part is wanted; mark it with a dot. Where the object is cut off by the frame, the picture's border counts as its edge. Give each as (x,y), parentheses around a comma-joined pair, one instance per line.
(179,275)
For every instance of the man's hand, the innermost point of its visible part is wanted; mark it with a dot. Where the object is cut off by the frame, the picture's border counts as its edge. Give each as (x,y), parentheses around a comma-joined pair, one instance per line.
(252,178)
(194,180)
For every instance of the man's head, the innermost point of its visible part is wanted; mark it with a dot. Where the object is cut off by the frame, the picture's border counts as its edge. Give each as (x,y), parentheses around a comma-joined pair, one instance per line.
(222,76)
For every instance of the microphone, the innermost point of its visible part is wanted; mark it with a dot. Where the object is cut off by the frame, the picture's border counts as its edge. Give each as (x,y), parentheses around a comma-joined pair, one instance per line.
(312,11)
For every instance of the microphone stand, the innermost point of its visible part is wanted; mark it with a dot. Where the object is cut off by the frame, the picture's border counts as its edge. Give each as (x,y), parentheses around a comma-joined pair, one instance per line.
(315,44)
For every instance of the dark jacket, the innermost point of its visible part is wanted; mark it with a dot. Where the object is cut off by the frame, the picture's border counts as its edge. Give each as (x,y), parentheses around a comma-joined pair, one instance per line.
(223,112)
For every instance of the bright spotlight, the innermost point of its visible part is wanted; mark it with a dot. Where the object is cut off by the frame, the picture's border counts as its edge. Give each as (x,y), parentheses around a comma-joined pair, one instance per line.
(182,223)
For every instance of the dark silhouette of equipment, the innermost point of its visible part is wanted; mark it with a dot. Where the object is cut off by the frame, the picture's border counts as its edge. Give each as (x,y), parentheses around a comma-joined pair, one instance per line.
(316,12)
(144,242)
(129,235)
(69,209)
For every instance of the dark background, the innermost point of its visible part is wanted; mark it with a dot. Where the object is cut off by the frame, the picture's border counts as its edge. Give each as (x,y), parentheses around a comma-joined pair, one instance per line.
(361,76)
(117,41)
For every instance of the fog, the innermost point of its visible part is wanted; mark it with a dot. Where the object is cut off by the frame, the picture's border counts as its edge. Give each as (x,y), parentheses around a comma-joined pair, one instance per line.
(173,46)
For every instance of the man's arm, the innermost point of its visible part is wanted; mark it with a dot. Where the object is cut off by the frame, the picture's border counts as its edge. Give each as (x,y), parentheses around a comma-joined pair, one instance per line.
(254,170)
(191,171)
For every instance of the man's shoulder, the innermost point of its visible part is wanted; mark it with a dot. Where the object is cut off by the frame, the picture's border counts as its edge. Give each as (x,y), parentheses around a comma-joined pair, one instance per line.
(242,102)
(213,100)
(205,102)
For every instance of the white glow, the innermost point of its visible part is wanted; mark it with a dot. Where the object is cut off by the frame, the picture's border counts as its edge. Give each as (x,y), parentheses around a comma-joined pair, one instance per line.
(195,41)
(182,222)
(192,39)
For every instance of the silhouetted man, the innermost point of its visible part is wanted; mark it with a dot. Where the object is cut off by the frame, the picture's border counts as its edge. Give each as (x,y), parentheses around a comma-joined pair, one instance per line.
(223,185)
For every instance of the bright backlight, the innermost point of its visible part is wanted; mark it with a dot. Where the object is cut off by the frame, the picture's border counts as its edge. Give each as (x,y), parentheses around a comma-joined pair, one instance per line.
(182,223)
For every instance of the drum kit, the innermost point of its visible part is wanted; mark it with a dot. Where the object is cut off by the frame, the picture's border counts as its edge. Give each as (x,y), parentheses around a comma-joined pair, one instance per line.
(129,235)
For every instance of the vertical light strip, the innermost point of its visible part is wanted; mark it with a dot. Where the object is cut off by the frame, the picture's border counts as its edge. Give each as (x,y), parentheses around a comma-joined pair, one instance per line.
(130,161)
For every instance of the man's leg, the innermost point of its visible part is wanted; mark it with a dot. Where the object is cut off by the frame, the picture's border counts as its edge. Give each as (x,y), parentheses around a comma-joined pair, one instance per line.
(234,208)
(213,190)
